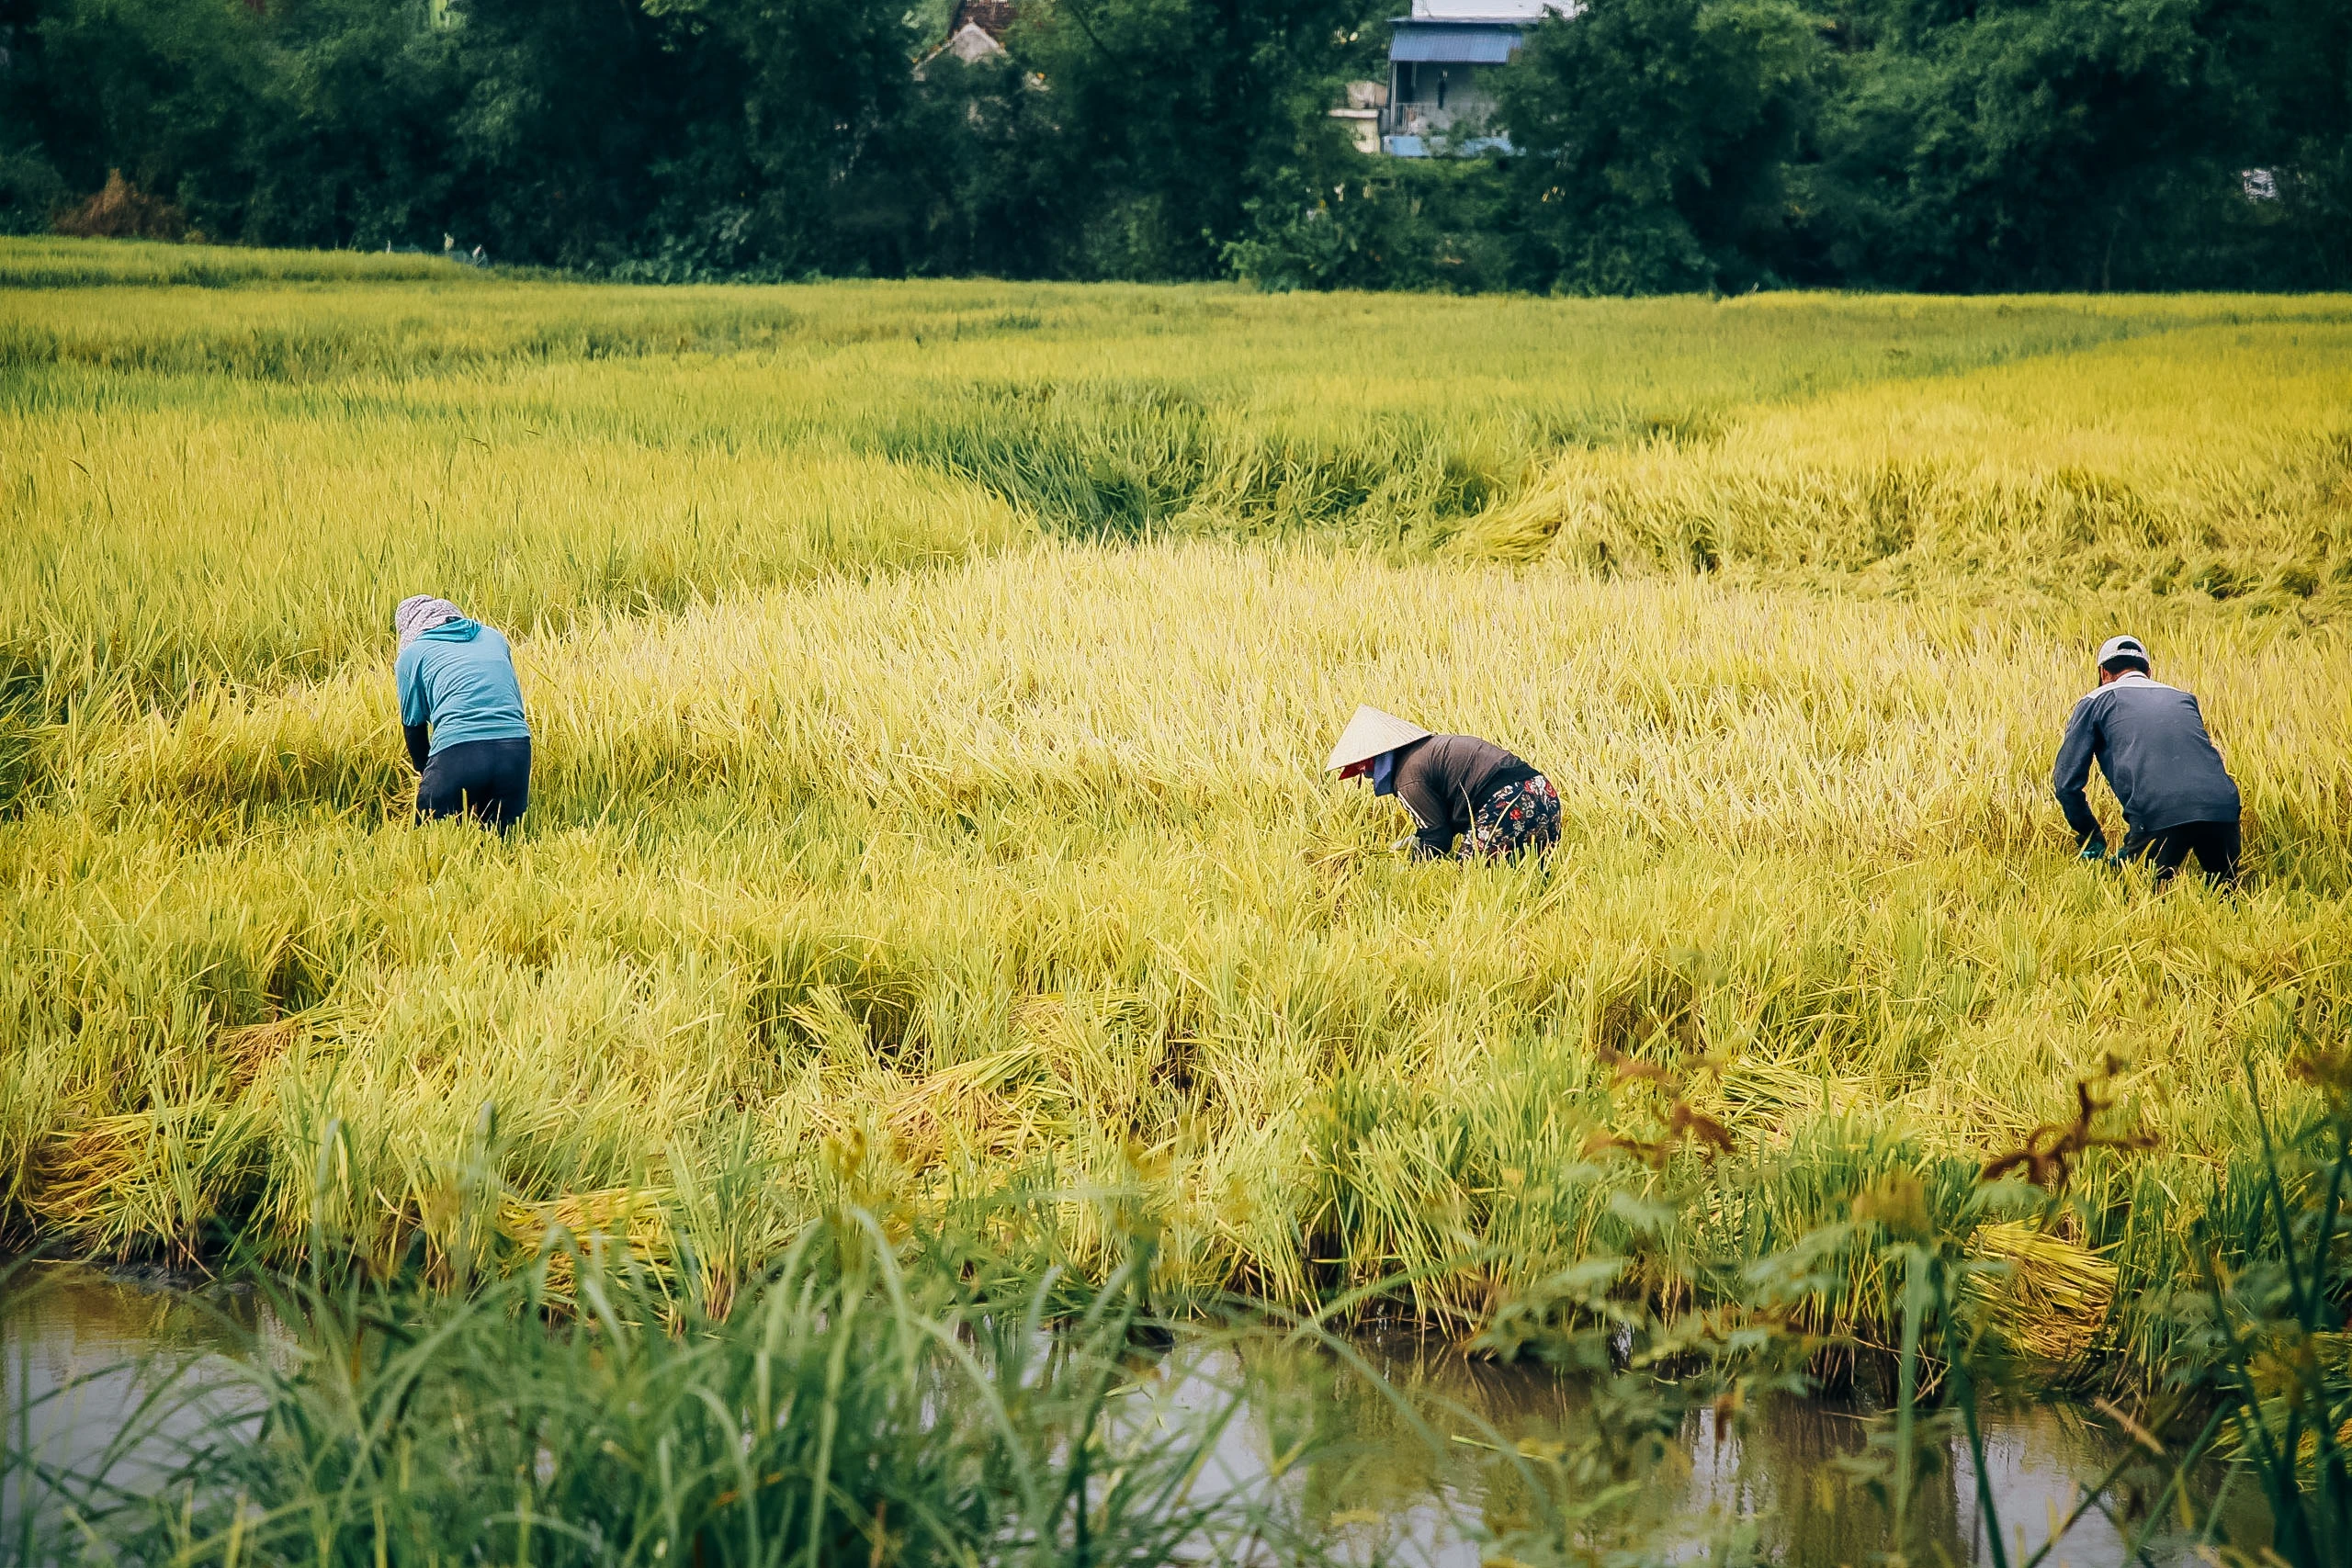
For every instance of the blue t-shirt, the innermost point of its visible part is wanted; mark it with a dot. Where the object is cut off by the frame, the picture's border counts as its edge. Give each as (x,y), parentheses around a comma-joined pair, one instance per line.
(460,678)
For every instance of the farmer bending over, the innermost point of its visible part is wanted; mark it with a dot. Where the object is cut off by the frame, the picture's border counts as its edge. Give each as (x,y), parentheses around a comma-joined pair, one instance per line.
(2151,744)
(456,684)
(1455,786)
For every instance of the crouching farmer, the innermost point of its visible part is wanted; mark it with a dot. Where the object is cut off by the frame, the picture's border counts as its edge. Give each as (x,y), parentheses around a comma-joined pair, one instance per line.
(1456,786)
(2150,741)
(461,712)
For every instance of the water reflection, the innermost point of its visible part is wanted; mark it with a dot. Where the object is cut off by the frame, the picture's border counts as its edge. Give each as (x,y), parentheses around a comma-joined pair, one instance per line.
(1404,1463)
(1394,1449)
(84,1361)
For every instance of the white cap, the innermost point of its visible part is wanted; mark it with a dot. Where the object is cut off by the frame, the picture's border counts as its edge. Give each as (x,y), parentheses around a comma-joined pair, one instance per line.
(2116,647)
(1369,733)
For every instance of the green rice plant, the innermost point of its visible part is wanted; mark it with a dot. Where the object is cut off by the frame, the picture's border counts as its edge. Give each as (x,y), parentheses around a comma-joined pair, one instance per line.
(1968,1310)
(2263,1321)
(52,263)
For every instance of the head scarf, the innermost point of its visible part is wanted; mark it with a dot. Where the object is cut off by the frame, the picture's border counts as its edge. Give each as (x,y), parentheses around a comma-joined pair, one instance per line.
(1383,772)
(420,613)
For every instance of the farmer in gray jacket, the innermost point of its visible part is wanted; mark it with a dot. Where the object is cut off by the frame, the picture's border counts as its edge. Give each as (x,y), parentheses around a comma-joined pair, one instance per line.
(2151,744)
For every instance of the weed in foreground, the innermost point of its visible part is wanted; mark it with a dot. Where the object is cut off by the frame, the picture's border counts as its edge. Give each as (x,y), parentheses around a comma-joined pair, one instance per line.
(913,1400)
(860,1401)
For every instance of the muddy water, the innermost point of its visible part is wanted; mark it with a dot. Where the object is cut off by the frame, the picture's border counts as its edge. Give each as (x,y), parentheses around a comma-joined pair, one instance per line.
(73,1342)
(1402,1463)
(1779,1483)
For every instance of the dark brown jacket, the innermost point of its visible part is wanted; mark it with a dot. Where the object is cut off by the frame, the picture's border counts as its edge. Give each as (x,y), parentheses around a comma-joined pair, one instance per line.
(1444,779)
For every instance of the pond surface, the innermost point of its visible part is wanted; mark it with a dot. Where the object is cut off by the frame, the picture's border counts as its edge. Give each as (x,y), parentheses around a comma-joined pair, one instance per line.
(1779,1483)
(70,1341)
(1400,1451)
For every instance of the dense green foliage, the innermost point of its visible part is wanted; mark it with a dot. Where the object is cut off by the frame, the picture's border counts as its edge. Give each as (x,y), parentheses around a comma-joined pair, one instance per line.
(1660,135)
(1662,144)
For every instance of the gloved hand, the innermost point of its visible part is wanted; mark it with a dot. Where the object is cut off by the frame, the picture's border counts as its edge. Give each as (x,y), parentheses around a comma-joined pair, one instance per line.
(2095,850)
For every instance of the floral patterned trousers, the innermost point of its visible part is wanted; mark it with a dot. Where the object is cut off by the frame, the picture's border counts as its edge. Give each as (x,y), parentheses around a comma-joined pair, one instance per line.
(1522,815)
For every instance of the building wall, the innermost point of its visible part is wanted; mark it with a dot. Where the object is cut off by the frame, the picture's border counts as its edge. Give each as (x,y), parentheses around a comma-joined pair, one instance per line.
(1415,108)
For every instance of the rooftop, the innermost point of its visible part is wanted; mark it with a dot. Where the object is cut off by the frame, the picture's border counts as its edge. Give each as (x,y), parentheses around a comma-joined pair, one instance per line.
(994,17)
(1520,11)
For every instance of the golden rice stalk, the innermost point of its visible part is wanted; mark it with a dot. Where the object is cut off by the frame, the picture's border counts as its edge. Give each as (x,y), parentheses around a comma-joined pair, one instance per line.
(2055,1296)
(246,1051)
(615,1224)
(84,1173)
(815,706)
(138,1179)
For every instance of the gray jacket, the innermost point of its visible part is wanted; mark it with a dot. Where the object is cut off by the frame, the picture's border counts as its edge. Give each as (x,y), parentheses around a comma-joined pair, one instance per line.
(2151,744)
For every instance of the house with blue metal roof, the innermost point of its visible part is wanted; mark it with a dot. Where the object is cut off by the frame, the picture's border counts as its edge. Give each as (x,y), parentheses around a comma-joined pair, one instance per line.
(1442,61)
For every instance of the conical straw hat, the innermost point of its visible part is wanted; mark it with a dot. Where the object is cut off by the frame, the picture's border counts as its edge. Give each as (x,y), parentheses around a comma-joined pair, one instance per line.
(1369,733)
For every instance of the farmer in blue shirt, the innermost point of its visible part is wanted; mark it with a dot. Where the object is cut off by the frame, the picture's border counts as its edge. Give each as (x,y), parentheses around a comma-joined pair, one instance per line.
(2151,744)
(457,684)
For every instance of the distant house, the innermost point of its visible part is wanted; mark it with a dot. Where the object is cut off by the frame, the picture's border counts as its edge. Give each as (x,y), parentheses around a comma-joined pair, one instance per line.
(1367,103)
(977,31)
(1442,61)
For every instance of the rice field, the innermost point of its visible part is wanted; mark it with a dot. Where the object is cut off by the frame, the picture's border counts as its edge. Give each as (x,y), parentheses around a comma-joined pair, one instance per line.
(930,683)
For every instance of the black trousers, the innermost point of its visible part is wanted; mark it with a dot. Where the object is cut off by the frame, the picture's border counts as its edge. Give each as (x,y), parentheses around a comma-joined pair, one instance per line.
(489,780)
(2215,845)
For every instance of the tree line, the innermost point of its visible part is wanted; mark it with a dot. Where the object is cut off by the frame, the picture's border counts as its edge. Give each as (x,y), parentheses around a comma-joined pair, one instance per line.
(1653,145)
